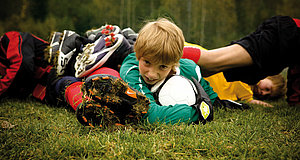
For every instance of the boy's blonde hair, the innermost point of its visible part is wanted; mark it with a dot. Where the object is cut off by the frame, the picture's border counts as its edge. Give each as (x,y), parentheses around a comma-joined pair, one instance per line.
(160,40)
(279,88)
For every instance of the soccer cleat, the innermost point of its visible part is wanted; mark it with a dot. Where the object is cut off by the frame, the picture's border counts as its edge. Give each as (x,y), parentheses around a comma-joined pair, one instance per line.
(66,49)
(105,30)
(54,46)
(130,35)
(95,54)
(109,100)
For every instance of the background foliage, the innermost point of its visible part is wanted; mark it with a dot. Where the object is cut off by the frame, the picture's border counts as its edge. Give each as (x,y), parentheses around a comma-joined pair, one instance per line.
(211,23)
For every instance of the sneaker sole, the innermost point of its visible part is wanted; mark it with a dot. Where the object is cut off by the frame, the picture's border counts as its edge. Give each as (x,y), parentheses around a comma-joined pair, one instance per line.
(114,92)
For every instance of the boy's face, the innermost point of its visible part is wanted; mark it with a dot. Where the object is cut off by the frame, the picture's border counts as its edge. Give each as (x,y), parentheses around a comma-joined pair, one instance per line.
(153,72)
(263,89)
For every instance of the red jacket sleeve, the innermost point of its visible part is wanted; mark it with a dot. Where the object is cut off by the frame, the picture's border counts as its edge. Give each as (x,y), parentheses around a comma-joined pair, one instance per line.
(11,54)
(297,21)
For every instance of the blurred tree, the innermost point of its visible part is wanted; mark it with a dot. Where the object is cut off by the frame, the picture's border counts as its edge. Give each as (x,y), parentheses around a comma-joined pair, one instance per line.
(211,23)
(38,9)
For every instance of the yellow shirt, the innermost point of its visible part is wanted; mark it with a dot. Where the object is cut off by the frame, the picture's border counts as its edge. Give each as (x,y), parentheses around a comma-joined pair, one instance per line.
(236,90)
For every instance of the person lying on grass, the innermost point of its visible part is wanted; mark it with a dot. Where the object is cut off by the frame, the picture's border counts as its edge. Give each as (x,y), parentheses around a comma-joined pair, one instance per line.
(269,88)
(272,47)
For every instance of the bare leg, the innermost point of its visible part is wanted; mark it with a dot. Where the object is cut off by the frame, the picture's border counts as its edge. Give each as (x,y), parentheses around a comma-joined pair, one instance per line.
(218,60)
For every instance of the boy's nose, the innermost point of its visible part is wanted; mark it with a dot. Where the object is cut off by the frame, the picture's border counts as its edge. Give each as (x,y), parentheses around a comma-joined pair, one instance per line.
(152,74)
(264,92)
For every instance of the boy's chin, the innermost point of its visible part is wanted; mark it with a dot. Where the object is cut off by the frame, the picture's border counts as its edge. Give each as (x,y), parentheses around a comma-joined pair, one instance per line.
(151,82)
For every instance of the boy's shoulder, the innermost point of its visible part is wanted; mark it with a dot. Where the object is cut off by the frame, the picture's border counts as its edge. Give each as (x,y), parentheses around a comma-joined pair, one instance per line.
(187,63)
(130,56)
(189,68)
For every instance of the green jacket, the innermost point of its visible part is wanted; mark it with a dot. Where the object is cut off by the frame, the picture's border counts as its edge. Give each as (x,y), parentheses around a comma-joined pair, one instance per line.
(169,114)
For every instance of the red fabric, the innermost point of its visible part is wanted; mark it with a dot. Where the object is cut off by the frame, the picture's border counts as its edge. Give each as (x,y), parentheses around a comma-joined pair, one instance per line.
(73,94)
(39,92)
(293,85)
(39,71)
(14,56)
(40,39)
(106,70)
(192,53)
(297,21)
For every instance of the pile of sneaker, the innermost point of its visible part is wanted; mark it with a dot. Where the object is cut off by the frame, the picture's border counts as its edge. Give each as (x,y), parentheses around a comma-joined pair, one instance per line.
(106,46)
(107,100)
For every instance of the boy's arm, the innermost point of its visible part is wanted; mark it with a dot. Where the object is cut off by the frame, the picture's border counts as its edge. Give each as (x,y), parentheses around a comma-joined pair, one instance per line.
(255,101)
(190,69)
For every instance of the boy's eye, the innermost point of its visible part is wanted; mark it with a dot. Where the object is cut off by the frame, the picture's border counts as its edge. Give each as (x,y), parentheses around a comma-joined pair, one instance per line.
(163,67)
(146,62)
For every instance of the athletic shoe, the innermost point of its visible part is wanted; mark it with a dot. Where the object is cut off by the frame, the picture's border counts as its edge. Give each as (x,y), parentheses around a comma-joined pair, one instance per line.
(109,101)
(66,49)
(54,46)
(105,30)
(130,35)
(96,54)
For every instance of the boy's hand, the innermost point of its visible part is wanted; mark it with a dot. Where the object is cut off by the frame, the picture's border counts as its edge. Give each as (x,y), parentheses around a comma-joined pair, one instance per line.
(265,104)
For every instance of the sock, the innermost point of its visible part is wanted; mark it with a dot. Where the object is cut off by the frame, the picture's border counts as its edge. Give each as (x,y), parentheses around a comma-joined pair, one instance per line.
(67,87)
(73,94)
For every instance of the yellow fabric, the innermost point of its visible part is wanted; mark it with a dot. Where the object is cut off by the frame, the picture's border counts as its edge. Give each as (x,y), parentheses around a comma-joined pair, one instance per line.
(194,45)
(236,90)
(227,90)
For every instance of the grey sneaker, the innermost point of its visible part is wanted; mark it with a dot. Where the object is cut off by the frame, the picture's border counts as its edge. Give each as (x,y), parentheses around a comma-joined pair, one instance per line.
(96,54)
(66,50)
(130,35)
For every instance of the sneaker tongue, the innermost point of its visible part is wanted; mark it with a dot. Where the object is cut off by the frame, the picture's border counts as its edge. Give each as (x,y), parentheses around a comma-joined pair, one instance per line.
(100,43)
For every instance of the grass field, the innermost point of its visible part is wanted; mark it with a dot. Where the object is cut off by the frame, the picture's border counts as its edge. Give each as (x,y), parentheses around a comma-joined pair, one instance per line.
(31,130)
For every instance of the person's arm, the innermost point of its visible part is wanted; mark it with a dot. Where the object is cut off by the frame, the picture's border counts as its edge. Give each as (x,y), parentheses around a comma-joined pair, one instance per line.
(259,102)
(218,60)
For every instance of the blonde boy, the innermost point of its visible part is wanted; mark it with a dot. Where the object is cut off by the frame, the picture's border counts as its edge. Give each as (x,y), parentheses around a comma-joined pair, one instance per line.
(158,50)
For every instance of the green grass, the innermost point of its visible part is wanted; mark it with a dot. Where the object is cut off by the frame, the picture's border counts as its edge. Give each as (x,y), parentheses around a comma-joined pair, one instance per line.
(47,132)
